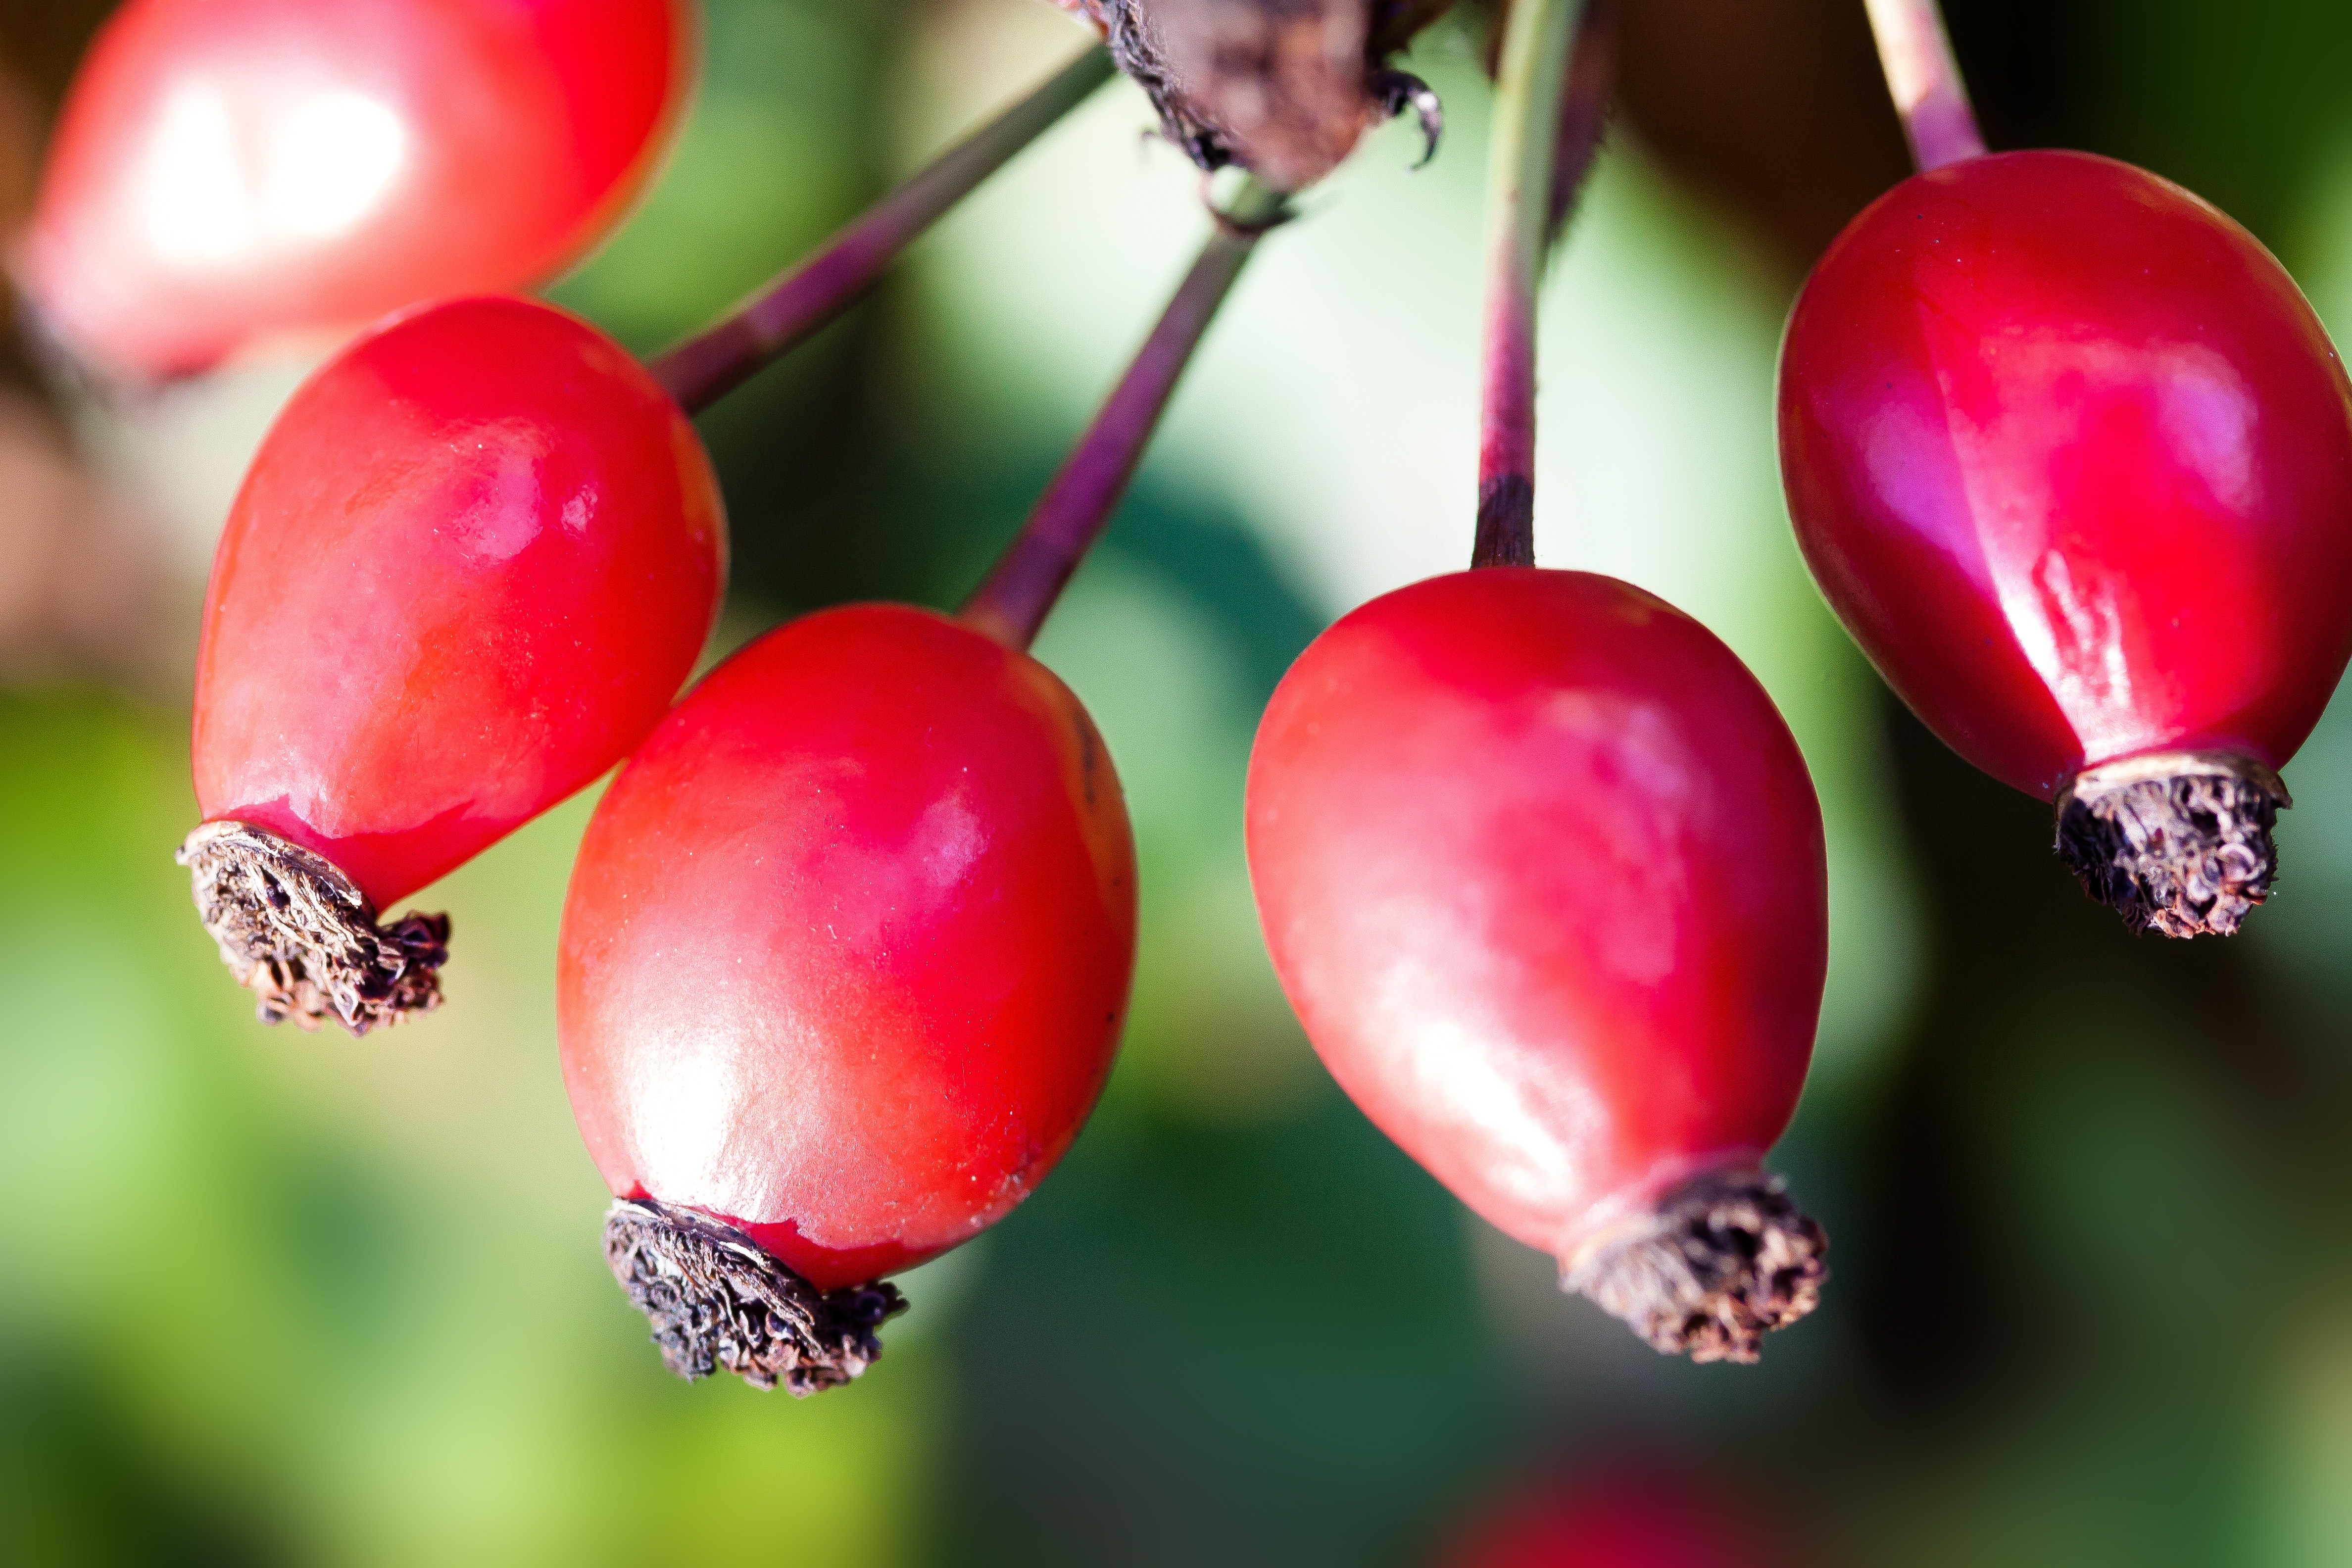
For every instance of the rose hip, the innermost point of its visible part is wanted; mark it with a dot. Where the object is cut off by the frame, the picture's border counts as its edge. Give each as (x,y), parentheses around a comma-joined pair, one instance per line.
(848,942)
(471,565)
(226,170)
(2071,459)
(843,963)
(1542,871)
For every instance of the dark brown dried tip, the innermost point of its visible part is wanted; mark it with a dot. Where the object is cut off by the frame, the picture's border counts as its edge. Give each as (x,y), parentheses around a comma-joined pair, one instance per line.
(716,1300)
(1283,87)
(300,934)
(2177,842)
(1719,1262)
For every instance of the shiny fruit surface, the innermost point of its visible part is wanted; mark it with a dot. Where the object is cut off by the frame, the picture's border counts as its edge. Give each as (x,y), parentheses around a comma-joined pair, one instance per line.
(1542,872)
(848,942)
(226,170)
(2071,458)
(471,565)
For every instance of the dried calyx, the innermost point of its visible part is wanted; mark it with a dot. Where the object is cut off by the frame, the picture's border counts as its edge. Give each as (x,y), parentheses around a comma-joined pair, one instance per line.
(1283,87)
(2176,842)
(299,933)
(718,1301)
(1713,1266)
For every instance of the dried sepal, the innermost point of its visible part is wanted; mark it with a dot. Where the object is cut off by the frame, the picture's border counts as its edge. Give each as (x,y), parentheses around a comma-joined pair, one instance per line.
(298,932)
(1285,88)
(2176,842)
(1710,1270)
(716,1301)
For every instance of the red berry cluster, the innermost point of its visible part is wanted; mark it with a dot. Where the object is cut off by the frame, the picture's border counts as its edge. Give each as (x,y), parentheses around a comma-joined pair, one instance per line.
(848,942)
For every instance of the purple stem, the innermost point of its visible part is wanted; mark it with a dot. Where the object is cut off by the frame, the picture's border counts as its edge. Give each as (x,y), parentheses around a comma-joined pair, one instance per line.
(705,368)
(1557,69)
(1020,588)
(1926,82)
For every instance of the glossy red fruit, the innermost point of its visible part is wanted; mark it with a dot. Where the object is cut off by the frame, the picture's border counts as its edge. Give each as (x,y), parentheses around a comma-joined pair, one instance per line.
(2071,458)
(226,170)
(1542,872)
(842,967)
(471,565)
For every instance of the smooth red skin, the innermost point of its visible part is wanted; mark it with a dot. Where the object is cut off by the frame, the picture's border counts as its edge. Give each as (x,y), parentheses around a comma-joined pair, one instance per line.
(1541,870)
(2071,459)
(529,125)
(848,942)
(471,565)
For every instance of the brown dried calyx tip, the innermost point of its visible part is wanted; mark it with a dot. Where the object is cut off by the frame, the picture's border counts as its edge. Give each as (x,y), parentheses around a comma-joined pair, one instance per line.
(717,1299)
(299,932)
(2177,842)
(1284,87)
(1715,1265)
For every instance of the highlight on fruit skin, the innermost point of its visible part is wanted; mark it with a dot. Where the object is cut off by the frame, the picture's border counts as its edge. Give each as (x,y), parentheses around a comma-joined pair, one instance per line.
(472,562)
(226,174)
(1542,871)
(844,963)
(2071,457)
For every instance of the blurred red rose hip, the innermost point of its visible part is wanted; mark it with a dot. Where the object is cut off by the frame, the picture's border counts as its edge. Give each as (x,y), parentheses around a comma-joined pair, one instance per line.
(2071,458)
(470,566)
(227,170)
(1645,1515)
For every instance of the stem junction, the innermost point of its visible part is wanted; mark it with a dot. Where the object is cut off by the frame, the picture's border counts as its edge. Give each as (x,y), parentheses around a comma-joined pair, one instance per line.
(1921,72)
(1552,85)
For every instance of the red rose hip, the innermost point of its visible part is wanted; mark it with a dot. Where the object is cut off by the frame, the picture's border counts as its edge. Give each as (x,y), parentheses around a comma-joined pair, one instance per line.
(2071,459)
(1542,871)
(471,565)
(849,939)
(226,170)
(842,967)
(1625,1515)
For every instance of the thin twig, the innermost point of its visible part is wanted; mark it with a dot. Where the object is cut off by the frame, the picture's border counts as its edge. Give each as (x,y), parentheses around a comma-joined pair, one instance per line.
(706,367)
(1535,113)
(1070,516)
(1926,82)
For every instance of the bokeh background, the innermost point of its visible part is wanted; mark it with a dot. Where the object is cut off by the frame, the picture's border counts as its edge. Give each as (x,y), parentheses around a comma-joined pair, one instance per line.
(268,1297)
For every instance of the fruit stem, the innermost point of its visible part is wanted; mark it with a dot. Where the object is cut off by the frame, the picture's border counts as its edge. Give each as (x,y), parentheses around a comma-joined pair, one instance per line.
(1926,82)
(1070,516)
(1546,131)
(706,367)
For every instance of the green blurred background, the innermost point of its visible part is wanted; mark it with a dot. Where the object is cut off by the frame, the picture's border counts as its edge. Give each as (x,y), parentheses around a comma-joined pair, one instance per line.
(268,1297)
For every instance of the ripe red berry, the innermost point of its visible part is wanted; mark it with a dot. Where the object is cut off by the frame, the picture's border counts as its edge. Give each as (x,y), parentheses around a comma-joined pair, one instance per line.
(1542,871)
(471,565)
(229,169)
(842,966)
(2072,459)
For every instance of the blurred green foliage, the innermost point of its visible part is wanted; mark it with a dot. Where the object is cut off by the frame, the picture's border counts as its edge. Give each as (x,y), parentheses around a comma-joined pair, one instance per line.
(274,1298)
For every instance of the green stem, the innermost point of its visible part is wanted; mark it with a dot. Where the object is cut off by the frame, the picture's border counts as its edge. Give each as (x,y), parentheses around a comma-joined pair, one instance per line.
(706,367)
